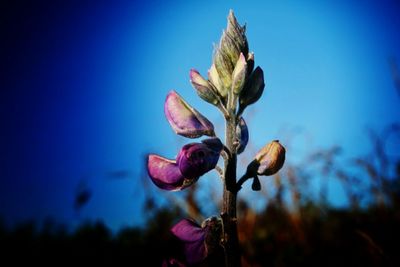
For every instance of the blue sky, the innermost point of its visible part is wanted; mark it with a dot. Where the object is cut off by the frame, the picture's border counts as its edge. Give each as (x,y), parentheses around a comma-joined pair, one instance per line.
(83,86)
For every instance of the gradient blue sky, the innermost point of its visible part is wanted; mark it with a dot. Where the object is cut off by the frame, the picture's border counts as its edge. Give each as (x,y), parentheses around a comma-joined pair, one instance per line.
(82,86)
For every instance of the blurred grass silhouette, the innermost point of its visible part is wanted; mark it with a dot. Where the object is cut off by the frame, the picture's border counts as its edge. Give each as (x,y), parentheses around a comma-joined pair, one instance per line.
(289,231)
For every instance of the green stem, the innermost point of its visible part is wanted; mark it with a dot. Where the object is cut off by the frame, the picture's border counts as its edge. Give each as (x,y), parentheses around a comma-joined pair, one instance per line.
(231,241)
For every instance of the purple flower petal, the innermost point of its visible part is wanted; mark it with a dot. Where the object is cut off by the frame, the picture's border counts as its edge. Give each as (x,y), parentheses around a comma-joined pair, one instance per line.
(164,173)
(242,134)
(195,252)
(193,237)
(193,160)
(214,144)
(188,231)
(184,119)
(196,159)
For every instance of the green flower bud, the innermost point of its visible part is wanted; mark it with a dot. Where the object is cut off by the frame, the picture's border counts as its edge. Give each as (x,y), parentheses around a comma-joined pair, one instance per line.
(213,77)
(238,34)
(253,89)
(203,87)
(233,42)
(239,75)
(230,47)
(224,67)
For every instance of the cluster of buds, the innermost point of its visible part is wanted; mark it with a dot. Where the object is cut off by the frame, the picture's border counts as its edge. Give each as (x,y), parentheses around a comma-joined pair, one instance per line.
(231,77)
(232,85)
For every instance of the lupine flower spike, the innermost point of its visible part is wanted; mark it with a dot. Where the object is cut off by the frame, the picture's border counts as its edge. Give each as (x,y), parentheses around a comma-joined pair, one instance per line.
(232,85)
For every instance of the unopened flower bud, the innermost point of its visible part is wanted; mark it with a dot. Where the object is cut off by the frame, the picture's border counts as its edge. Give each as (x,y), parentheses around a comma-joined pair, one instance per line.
(214,78)
(253,89)
(269,160)
(239,75)
(237,33)
(184,119)
(229,46)
(224,67)
(242,135)
(233,42)
(203,87)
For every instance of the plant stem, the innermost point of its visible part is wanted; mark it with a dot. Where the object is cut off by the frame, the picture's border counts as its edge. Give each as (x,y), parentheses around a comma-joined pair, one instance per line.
(231,242)
(241,181)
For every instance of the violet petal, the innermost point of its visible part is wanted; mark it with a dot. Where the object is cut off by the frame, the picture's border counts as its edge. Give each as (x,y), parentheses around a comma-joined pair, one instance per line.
(242,134)
(214,144)
(184,119)
(196,159)
(193,236)
(164,173)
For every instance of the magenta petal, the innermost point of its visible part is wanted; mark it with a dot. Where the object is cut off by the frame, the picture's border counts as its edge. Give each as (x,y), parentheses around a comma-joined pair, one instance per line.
(195,252)
(214,143)
(196,159)
(188,231)
(164,173)
(193,237)
(184,119)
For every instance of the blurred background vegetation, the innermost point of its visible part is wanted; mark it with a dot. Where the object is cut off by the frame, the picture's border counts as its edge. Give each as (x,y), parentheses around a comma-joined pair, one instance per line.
(293,228)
